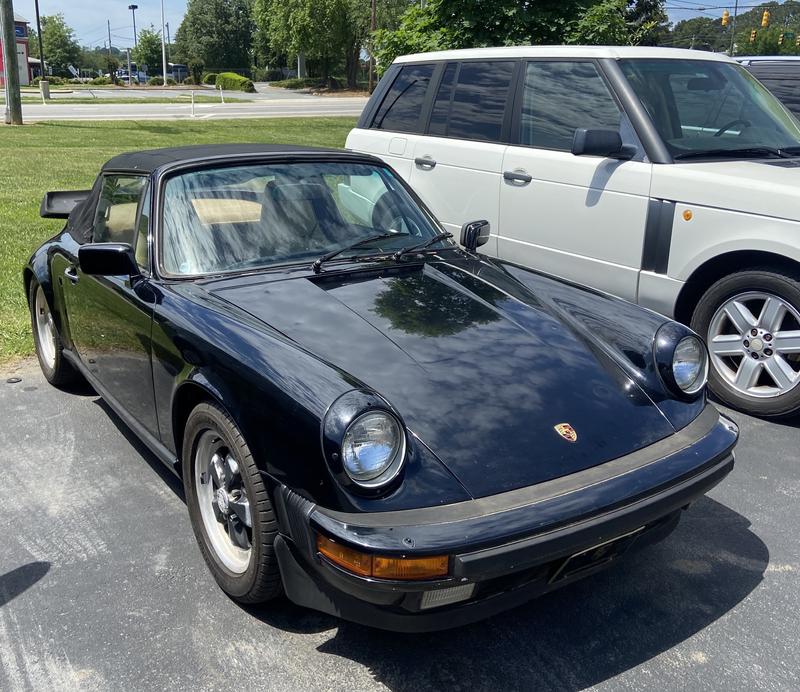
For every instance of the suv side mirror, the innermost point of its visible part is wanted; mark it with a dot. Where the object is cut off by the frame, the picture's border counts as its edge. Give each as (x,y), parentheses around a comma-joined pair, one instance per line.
(606,143)
(474,234)
(108,259)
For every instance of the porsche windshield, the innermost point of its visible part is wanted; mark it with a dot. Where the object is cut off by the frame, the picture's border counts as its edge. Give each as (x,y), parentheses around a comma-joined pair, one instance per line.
(709,107)
(237,218)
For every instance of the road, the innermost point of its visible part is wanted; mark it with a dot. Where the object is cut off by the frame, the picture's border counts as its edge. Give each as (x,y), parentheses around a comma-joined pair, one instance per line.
(102,586)
(262,108)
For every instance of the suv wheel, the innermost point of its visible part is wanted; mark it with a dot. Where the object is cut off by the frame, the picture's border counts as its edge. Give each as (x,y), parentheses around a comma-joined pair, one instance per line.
(229,506)
(751,322)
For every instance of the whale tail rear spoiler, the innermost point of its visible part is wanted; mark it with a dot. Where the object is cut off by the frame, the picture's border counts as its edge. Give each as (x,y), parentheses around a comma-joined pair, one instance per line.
(59,204)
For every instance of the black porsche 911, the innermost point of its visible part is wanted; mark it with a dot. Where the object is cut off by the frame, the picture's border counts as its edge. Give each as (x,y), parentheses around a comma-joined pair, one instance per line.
(380,423)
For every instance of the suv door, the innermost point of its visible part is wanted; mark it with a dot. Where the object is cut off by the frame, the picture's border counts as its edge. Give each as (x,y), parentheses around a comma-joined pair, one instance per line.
(110,316)
(458,163)
(398,120)
(579,217)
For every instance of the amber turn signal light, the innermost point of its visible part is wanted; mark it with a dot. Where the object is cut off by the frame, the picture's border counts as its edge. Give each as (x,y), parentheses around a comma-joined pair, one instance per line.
(383,566)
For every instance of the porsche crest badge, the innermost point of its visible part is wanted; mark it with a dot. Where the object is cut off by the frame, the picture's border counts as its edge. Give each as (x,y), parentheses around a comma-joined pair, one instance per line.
(566,431)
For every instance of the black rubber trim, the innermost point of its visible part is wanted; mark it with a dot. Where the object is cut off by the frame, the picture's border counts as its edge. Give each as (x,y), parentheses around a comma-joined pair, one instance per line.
(481,507)
(383,86)
(658,235)
(648,135)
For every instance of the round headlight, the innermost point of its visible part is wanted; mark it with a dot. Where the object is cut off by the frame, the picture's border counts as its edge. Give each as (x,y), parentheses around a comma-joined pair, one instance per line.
(690,365)
(373,448)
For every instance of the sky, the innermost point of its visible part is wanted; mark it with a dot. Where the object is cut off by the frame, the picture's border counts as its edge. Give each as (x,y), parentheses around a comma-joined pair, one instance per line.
(88,17)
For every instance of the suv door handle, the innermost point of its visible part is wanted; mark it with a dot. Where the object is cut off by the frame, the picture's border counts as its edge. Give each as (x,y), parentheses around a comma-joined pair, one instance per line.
(517,177)
(71,274)
(425,162)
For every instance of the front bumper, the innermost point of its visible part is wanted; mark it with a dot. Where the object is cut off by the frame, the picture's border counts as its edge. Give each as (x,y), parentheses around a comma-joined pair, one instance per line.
(511,547)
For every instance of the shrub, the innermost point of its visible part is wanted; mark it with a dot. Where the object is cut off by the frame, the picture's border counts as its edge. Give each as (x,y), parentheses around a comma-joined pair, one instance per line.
(273,75)
(171,81)
(188,81)
(231,81)
(155,81)
(297,83)
(101,81)
(210,78)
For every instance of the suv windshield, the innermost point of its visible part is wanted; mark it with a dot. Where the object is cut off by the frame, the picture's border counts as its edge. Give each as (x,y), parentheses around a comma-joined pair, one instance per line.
(702,106)
(237,218)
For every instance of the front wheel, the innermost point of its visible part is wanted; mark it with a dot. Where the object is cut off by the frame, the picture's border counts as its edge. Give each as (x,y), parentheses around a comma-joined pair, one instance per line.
(230,510)
(751,321)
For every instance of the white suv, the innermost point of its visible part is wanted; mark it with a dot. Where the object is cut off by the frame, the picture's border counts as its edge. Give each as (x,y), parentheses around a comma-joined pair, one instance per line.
(668,177)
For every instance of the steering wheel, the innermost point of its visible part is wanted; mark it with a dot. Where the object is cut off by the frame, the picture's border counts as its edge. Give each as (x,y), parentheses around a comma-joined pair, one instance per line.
(728,126)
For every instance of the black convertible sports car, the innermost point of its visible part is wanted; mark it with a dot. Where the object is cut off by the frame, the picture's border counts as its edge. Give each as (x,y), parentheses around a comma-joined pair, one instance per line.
(382,424)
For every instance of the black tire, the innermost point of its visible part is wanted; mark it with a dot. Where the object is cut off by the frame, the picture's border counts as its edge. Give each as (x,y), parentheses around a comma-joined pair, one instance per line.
(785,284)
(56,370)
(261,580)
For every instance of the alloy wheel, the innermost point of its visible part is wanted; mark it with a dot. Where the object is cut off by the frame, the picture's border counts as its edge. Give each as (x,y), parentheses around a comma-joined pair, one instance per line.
(754,343)
(45,329)
(223,502)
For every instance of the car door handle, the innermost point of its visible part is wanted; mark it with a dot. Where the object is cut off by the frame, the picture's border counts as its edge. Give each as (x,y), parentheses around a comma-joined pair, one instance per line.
(425,162)
(71,274)
(517,177)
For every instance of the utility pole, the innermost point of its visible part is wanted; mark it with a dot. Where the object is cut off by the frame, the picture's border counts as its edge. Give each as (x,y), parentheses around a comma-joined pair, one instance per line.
(163,48)
(39,36)
(133,9)
(373,24)
(110,68)
(130,76)
(11,76)
(168,41)
(732,49)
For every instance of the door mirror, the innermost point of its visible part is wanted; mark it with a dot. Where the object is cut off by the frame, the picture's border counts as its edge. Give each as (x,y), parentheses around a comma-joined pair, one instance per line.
(108,259)
(474,234)
(606,143)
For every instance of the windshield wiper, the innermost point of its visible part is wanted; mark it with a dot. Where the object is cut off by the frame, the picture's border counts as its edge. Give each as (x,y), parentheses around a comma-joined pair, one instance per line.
(747,152)
(430,241)
(364,241)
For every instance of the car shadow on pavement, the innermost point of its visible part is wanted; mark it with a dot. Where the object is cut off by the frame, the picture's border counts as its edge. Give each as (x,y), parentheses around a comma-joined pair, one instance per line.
(170,479)
(20,579)
(578,636)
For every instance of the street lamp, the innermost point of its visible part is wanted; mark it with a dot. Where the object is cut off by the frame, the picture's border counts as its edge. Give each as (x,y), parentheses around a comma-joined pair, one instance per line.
(133,9)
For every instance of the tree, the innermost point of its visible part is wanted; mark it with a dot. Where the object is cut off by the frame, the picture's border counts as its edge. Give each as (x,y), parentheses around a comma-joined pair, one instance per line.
(619,22)
(60,47)
(217,33)
(148,50)
(445,24)
(702,33)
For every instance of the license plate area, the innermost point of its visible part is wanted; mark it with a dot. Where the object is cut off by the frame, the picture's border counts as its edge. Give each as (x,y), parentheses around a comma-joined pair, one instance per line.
(590,559)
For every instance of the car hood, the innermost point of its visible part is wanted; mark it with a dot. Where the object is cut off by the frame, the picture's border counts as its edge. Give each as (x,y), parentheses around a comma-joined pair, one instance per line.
(480,377)
(770,187)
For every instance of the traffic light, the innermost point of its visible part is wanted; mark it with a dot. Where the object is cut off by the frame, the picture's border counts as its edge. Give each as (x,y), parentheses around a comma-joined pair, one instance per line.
(797,42)
(765,19)
(780,39)
(753,36)
(725,17)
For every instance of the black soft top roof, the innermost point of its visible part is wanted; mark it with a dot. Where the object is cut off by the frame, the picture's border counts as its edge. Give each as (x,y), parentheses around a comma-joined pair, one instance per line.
(152,159)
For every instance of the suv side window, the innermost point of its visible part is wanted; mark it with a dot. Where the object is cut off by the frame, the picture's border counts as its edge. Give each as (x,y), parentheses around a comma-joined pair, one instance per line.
(471,100)
(558,98)
(401,109)
(115,218)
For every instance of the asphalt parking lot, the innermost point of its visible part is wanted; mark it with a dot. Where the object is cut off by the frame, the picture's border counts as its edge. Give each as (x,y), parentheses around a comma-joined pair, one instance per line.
(102,585)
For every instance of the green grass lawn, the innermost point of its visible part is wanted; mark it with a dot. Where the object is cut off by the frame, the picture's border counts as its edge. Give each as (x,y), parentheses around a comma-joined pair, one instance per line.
(68,155)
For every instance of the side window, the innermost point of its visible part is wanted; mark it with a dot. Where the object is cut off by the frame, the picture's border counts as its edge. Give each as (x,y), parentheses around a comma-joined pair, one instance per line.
(142,233)
(471,100)
(560,97)
(115,218)
(401,109)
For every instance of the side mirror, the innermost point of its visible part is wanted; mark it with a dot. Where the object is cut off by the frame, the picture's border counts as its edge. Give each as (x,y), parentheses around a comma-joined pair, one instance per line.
(606,143)
(474,234)
(108,259)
